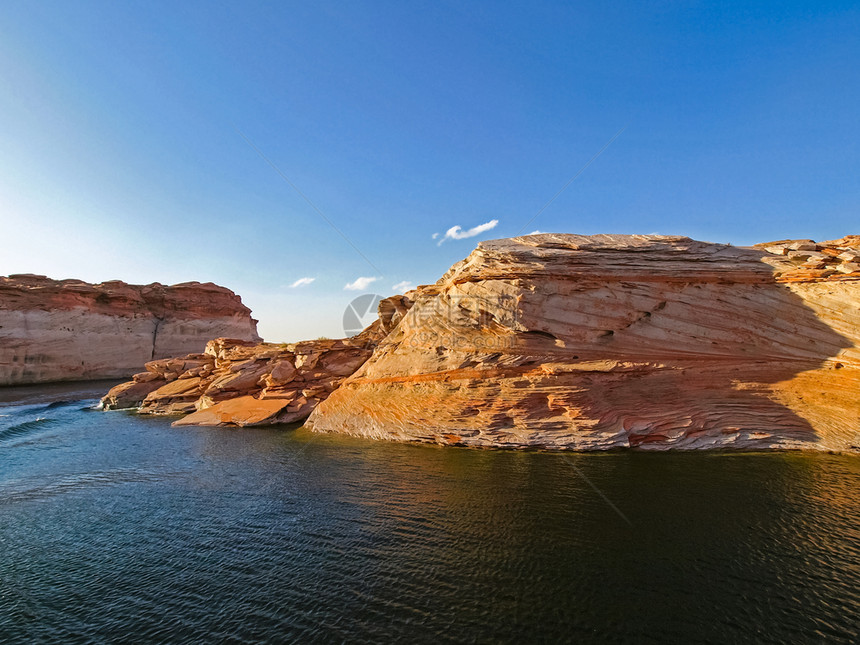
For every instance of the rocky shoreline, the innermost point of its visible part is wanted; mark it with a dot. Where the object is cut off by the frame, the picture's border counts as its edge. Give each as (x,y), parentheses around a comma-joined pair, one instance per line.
(567,342)
(234,382)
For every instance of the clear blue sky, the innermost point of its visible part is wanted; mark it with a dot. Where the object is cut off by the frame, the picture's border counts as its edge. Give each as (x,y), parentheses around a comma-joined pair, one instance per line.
(122,156)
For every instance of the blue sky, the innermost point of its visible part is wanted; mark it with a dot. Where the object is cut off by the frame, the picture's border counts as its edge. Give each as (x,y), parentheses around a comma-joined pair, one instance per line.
(125,129)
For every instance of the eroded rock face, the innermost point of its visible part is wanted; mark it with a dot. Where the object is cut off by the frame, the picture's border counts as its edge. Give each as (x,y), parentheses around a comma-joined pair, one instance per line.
(242,383)
(597,342)
(60,330)
(239,383)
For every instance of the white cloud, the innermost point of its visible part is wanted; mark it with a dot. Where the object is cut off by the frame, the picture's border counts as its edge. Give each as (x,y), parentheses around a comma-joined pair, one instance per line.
(434,236)
(302,282)
(536,233)
(402,287)
(457,232)
(360,283)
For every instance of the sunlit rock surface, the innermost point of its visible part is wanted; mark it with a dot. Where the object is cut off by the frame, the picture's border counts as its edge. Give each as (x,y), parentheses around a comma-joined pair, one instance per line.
(60,330)
(237,383)
(606,341)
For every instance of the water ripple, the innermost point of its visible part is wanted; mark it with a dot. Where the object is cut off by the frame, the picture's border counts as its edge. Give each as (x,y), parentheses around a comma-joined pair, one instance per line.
(26,490)
(24,428)
(129,530)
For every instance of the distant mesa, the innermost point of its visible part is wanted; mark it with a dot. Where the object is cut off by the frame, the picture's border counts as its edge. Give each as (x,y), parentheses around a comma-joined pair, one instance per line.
(62,330)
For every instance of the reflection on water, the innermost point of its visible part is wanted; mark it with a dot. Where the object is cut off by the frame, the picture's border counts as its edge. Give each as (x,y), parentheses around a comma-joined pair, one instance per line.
(117,528)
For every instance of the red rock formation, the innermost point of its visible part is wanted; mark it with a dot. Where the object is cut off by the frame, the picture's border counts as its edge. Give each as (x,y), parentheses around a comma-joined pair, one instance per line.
(53,330)
(654,342)
(240,383)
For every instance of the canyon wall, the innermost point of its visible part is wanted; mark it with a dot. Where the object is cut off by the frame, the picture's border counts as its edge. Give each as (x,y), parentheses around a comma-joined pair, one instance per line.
(60,330)
(610,341)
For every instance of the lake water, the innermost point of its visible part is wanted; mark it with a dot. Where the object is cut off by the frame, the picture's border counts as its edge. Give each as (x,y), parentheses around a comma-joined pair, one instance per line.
(116,528)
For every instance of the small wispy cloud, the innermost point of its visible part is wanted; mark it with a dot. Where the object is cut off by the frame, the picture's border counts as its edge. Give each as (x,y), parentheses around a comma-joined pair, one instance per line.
(402,287)
(301,282)
(360,283)
(457,232)
(536,233)
(434,236)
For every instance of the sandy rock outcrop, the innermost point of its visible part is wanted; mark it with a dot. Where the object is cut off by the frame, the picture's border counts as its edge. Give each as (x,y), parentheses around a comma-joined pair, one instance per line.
(60,330)
(609,341)
(240,383)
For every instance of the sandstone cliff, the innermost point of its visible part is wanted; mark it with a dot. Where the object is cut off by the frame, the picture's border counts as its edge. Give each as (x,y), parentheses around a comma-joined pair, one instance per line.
(653,342)
(58,330)
(243,383)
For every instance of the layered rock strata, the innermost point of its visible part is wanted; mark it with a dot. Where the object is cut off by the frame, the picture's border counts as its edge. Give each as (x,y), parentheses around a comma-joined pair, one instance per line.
(60,330)
(610,341)
(238,383)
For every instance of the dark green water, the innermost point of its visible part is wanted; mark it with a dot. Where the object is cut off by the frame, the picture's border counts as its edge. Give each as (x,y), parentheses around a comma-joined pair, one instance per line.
(117,529)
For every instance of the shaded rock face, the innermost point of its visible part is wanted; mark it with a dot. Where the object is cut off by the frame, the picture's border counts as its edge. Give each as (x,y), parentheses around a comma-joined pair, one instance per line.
(598,342)
(60,330)
(238,383)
